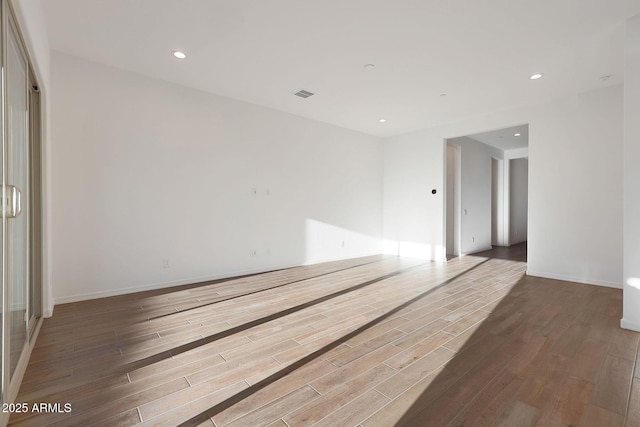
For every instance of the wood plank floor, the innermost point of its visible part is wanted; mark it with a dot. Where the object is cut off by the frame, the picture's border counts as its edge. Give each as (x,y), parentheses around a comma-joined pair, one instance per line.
(376,341)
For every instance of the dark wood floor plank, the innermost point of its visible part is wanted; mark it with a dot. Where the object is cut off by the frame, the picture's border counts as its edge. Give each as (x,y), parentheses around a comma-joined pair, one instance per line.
(443,409)
(633,411)
(612,386)
(594,416)
(586,364)
(568,405)
(490,403)
(518,414)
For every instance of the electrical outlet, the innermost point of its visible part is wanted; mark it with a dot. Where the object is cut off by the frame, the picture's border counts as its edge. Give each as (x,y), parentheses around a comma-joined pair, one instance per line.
(253,253)
(165,263)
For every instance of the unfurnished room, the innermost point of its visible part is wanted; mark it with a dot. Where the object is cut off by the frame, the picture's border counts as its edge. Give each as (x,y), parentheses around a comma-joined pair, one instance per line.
(302,213)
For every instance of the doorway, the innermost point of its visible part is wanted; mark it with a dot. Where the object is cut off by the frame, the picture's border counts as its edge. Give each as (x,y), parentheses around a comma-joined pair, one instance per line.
(486,178)
(452,208)
(518,200)
(497,202)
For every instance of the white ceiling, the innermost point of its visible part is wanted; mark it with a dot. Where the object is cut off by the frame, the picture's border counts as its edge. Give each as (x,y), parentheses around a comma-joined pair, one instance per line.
(480,53)
(505,139)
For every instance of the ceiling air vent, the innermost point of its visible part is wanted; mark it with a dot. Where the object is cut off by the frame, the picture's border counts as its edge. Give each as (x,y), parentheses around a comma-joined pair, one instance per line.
(303,93)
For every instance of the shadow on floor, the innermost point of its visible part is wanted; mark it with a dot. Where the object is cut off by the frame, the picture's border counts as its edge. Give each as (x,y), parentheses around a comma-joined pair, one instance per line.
(542,357)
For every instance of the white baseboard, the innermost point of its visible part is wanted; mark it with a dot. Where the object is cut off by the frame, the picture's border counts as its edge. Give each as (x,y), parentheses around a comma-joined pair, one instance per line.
(188,281)
(633,326)
(574,279)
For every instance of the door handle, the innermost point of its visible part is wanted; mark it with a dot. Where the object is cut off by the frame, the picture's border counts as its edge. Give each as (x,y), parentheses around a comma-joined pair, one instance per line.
(12,205)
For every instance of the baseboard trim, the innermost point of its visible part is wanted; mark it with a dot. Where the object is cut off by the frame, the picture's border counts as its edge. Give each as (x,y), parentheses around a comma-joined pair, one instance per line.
(574,279)
(192,280)
(632,326)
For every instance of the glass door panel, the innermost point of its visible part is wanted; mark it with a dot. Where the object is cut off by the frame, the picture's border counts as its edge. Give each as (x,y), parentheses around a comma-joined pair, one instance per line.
(17,197)
(20,204)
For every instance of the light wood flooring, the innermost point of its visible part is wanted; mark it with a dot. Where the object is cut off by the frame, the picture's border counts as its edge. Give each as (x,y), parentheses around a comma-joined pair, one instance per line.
(376,341)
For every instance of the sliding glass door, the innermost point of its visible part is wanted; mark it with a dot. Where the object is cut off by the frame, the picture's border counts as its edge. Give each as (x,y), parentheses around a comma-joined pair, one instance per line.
(17,192)
(20,225)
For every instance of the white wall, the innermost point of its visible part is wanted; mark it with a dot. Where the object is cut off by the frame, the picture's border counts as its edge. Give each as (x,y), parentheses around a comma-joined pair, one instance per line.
(156,184)
(575,189)
(575,186)
(518,200)
(413,217)
(30,16)
(497,202)
(475,171)
(631,316)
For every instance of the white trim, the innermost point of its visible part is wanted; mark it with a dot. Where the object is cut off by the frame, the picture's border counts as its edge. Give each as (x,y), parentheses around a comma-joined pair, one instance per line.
(575,279)
(632,326)
(189,281)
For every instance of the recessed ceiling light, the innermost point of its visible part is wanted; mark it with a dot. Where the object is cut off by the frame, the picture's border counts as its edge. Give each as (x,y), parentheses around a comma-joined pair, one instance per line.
(382,120)
(179,55)
(443,94)
(369,67)
(536,76)
(516,134)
